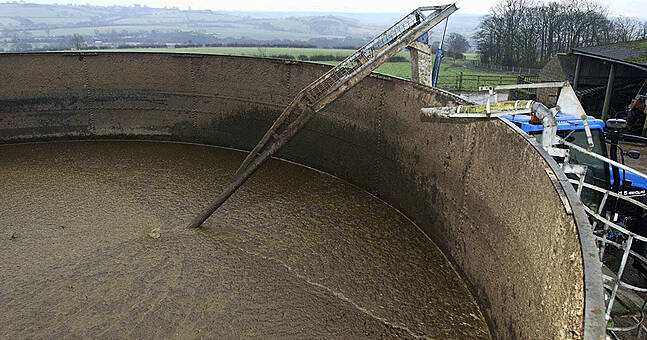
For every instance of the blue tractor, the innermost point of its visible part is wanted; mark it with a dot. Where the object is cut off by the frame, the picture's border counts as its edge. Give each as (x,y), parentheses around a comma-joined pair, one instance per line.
(605,144)
(587,148)
(603,174)
(589,153)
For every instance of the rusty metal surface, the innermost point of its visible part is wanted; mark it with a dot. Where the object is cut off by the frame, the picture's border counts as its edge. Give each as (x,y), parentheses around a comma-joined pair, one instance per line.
(524,262)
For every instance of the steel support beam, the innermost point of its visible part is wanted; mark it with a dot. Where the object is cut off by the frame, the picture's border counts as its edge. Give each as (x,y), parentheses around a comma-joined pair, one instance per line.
(607,96)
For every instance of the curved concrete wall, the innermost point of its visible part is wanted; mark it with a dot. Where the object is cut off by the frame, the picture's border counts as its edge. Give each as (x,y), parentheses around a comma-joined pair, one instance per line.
(482,191)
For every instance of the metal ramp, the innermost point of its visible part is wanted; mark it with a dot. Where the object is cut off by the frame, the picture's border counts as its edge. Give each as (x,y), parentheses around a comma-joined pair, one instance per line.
(329,87)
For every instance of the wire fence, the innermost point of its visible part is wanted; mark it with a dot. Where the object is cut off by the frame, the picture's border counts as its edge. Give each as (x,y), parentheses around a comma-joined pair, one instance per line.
(469,82)
(501,68)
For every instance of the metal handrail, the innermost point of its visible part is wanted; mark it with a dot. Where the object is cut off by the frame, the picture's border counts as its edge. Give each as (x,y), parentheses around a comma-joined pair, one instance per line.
(606,226)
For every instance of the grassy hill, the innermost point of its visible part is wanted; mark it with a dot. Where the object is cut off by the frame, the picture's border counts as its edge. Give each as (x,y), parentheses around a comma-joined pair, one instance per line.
(26,26)
(46,21)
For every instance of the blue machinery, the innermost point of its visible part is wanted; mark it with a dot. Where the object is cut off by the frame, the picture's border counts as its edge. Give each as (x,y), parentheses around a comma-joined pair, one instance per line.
(610,228)
(439,56)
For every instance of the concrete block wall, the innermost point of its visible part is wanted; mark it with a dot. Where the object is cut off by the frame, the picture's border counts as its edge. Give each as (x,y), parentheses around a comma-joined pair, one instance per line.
(554,70)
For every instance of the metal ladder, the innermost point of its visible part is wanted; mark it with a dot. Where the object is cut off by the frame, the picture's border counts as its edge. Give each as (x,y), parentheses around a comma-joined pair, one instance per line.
(314,97)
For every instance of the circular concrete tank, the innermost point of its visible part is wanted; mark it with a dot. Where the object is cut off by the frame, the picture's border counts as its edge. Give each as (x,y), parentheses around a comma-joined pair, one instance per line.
(488,197)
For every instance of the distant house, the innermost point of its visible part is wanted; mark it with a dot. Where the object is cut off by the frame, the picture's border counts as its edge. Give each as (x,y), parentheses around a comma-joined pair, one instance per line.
(171,45)
(605,77)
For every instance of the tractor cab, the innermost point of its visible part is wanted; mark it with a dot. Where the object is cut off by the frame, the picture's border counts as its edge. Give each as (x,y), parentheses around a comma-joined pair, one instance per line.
(599,172)
(574,127)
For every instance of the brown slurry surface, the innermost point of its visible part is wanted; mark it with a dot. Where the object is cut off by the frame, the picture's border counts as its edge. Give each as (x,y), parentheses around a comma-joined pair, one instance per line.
(294,253)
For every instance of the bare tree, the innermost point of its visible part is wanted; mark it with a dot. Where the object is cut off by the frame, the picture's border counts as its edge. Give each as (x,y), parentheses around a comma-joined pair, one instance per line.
(77,42)
(527,33)
(642,30)
(262,51)
(627,29)
(434,46)
(457,45)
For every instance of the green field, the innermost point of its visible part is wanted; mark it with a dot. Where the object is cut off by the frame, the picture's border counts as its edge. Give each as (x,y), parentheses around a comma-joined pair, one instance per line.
(40,20)
(471,56)
(449,70)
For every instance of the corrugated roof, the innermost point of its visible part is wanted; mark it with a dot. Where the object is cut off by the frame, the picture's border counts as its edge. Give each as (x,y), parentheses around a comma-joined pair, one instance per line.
(632,53)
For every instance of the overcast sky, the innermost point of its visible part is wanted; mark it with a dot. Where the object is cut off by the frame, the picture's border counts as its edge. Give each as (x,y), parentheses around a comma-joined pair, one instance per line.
(635,8)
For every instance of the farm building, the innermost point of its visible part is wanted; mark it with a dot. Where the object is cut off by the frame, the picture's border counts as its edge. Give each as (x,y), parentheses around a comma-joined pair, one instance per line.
(605,77)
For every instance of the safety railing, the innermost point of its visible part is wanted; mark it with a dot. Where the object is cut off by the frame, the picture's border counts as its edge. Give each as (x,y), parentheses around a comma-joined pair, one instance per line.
(377,51)
(611,231)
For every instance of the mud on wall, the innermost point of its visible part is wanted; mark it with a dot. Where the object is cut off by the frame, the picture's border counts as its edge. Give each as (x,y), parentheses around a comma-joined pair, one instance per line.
(479,189)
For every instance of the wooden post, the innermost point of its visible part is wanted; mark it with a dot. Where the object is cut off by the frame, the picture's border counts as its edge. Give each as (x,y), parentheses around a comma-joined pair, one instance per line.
(607,95)
(460,81)
(576,77)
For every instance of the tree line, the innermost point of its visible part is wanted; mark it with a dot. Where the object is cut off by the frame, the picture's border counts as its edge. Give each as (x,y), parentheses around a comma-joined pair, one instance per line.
(527,33)
(454,46)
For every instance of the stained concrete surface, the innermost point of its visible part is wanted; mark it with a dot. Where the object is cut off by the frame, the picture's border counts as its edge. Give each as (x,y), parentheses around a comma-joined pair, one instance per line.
(472,187)
(93,243)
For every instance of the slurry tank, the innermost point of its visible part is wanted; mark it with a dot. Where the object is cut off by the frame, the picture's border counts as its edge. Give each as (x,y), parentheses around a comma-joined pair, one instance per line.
(106,156)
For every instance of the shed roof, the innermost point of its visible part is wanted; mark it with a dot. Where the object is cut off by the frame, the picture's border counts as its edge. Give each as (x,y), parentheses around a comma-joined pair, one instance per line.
(631,53)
